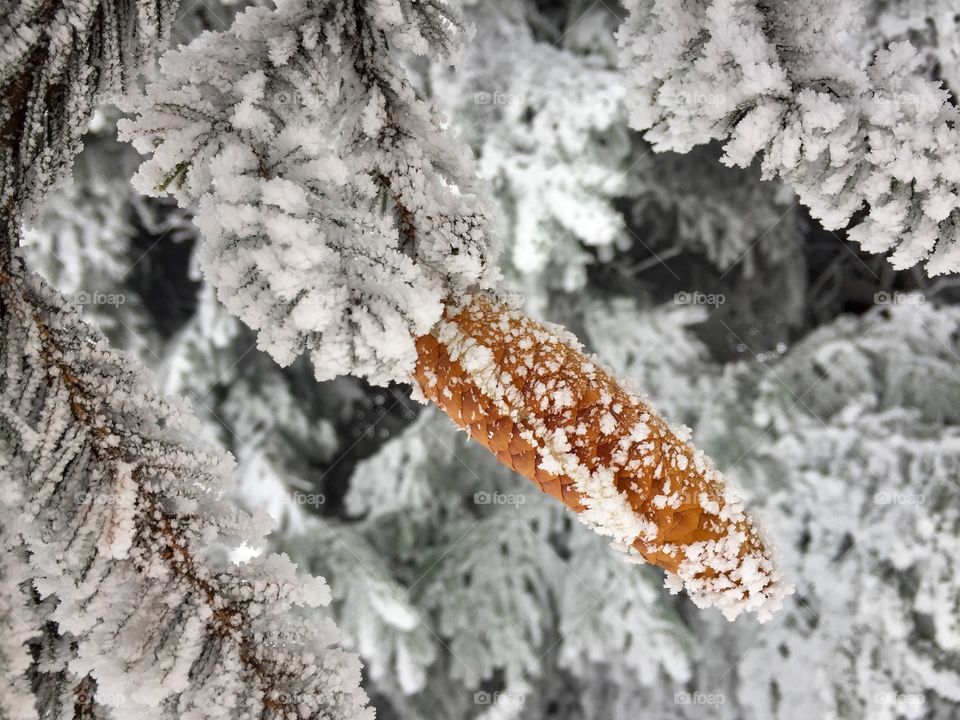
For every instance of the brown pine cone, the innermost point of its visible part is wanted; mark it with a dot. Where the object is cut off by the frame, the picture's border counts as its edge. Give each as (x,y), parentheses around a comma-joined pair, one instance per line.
(530,395)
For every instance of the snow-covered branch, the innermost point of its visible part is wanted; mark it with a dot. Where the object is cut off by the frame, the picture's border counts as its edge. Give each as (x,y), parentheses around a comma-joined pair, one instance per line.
(58,60)
(337,213)
(115,533)
(786,80)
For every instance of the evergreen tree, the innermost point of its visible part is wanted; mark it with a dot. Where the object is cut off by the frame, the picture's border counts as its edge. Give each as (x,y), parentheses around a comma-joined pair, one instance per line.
(312,201)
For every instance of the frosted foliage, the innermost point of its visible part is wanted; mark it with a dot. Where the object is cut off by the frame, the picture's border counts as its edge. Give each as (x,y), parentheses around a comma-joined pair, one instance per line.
(57,61)
(198,357)
(550,134)
(393,479)
(376,616)
(338,210)
(866,469)
(786,81)
(109,533)
(78,240)
(275,441)
(424,471)
(933,26)
(598,624)
(19,620)
(477,588)
(336,213)
(902,357)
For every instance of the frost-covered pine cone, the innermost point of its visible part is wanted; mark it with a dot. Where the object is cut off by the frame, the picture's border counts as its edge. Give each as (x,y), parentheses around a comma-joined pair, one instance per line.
(530,395)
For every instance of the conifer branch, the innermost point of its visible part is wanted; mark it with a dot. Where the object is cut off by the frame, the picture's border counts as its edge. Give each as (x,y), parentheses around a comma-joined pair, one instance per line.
(116,517)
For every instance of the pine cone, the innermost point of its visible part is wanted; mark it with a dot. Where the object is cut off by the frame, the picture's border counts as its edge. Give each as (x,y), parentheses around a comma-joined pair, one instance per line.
(530,395)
